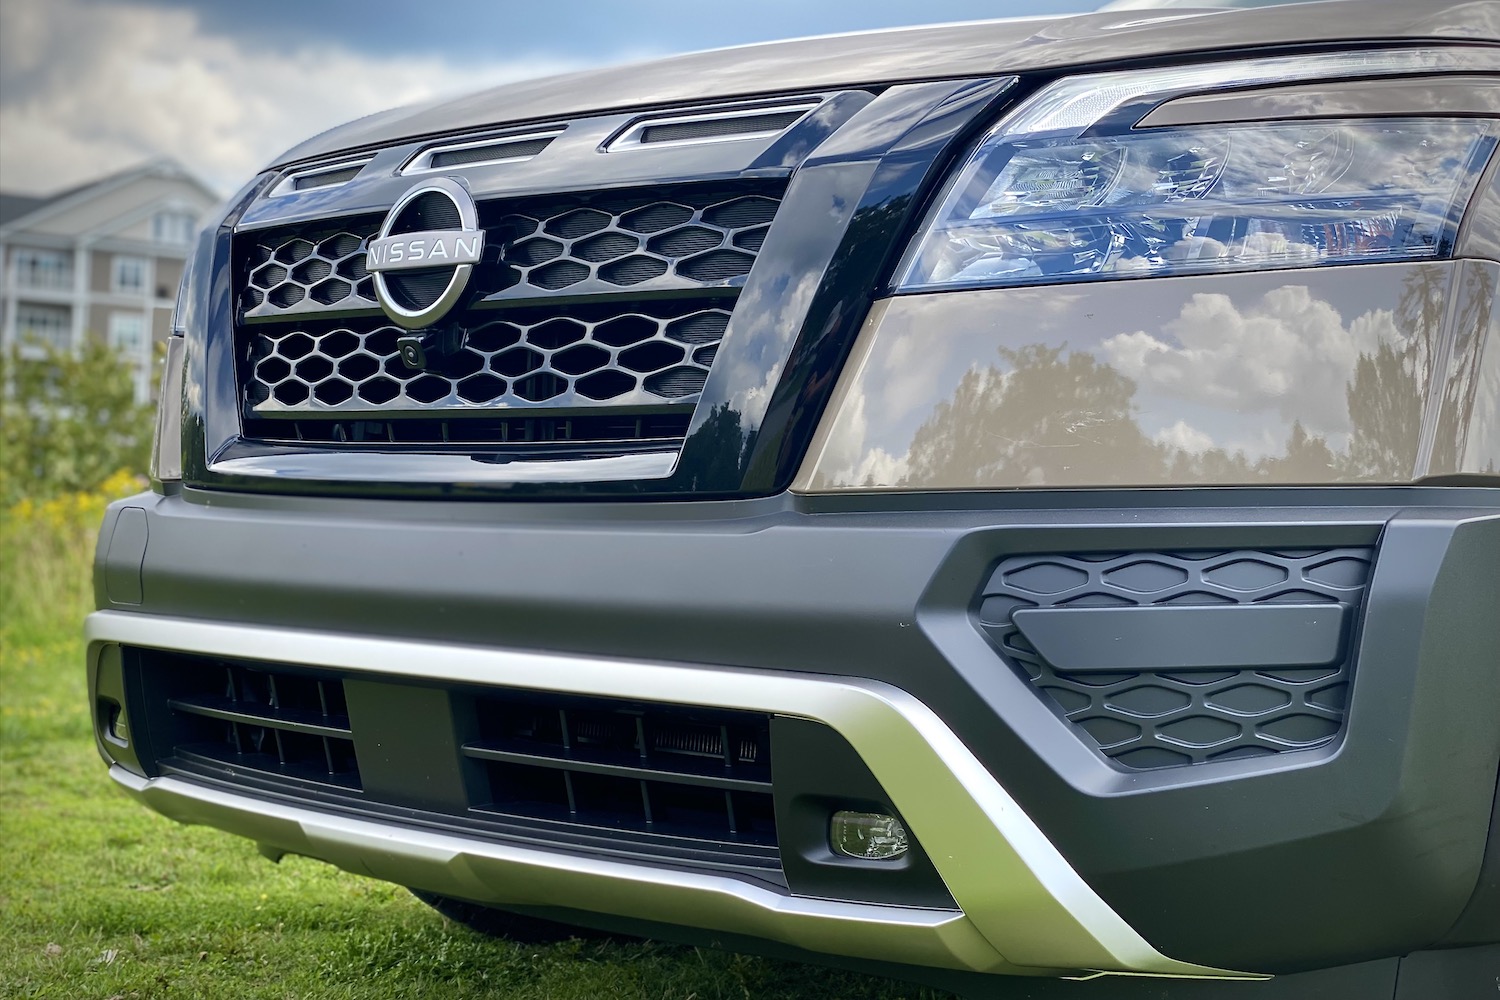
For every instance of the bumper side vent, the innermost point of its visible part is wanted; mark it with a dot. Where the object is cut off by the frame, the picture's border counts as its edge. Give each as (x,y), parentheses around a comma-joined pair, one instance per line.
(687,772)
(1163,659)
(287,724)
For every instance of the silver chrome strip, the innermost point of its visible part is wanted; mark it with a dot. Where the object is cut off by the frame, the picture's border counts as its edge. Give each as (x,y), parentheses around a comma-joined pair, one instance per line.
(422,162)
(287,184)
(1025,910)
(430,467)
(631,137)
(503,874)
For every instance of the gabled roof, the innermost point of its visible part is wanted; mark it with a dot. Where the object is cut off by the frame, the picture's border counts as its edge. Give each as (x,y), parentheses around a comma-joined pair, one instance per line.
(18,207)
(13,206)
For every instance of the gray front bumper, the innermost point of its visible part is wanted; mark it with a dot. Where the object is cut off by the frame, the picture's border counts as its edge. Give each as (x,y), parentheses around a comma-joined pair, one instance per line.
(1023,907)
(1370,846)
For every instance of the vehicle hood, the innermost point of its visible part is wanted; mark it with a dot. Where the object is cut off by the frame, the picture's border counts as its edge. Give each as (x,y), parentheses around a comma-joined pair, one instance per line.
(943,51)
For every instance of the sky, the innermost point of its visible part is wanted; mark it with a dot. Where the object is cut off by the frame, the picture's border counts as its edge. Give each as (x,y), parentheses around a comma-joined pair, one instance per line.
(88,87)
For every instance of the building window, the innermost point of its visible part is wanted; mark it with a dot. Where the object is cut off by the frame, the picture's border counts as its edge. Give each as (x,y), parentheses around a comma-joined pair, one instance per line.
(127,333)
(174,226)
(129,275)
(48,270)
(50,326)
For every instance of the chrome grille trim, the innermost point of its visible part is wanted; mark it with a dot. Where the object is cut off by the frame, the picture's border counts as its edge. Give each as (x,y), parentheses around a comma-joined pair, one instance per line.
(482,152)
(724,124)
(328,175)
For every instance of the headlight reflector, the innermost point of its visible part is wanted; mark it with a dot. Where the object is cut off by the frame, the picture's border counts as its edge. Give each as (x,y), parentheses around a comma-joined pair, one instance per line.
(1066,188)
(1201,199)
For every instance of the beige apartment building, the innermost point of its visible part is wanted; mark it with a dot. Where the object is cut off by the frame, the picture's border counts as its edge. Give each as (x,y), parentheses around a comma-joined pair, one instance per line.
(99,260)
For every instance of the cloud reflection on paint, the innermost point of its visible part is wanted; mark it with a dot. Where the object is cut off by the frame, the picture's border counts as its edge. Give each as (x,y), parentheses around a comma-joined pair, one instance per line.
(1300,377)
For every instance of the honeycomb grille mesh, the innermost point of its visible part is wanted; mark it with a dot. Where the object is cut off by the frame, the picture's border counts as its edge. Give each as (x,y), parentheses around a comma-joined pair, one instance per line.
(683,239)
(1155,719)
(705,239)
(652,353)
(309,270)
(583,303)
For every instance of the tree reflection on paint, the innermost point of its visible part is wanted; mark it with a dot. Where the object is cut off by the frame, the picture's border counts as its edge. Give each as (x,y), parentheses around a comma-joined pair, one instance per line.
(1050,420)
(1054,417)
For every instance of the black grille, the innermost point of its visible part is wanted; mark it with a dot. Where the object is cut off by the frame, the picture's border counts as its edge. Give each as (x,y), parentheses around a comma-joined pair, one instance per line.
(678,239)
(283,722)
(309,268)
(665,783)
(1165,718)
(696,773)
(630,240)
(539,431)
(584,305)
(647,354)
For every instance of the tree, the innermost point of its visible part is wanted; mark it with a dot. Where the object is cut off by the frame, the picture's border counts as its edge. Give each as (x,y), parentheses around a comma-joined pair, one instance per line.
(68,421)
(1048,419)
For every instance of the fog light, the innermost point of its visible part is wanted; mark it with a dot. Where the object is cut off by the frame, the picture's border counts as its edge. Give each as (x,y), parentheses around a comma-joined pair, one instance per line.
(115,728)
(871,836)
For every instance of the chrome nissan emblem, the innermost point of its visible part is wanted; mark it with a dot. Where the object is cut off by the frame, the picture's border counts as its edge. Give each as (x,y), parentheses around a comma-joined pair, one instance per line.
(425,251)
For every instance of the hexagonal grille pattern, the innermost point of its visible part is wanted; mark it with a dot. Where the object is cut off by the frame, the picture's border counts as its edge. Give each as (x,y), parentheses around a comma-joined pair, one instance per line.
(1148,719)
(703,237)
(646,354)
(308,270)
(679,238)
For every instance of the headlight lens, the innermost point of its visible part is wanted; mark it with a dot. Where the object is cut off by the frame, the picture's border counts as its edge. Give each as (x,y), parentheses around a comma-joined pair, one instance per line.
(1066,190)
(166,443)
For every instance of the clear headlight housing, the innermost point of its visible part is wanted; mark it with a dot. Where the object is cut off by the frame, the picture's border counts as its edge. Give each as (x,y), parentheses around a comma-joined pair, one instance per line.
(1066,189)
(166,442)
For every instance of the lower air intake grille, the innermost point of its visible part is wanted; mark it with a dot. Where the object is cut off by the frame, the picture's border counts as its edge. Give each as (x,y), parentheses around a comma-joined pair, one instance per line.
(283,723)
(1154,673)
(699,773)
(669,784)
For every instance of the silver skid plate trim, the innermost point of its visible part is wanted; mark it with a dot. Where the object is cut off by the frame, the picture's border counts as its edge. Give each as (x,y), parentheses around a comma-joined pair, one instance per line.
(1024,908)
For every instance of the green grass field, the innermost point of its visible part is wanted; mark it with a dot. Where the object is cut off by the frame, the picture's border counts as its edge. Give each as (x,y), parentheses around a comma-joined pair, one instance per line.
(101,899)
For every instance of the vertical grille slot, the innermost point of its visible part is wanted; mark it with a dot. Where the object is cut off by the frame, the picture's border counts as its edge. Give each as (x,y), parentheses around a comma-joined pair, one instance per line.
(282,722)
(688,772)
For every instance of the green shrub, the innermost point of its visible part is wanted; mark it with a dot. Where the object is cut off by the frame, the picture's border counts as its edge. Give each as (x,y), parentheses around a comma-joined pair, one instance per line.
(72,438)
(68,421)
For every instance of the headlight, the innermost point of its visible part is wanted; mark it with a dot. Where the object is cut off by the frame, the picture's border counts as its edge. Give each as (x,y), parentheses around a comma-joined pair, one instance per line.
(166,443)
(1065,189)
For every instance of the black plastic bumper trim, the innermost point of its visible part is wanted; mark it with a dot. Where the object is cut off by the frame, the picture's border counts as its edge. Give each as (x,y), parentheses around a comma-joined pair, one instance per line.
(1183,638)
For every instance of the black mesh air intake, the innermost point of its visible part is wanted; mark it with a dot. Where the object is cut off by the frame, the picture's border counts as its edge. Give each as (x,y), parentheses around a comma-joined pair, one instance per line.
(1161,659)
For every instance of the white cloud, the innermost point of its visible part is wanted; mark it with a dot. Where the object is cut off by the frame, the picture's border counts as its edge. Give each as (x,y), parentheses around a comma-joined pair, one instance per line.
(847,458)
(92,88)
(1182,436)
(1288,353)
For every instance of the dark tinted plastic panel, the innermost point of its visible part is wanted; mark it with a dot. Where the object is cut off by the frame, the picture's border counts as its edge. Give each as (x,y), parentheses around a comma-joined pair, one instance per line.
(1083,640)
